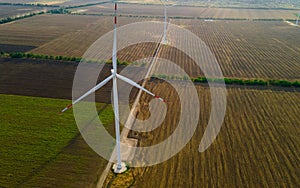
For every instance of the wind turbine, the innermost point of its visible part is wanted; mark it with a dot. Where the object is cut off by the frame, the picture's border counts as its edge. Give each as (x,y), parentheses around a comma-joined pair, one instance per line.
(164,39)
(298,18)
(120,167)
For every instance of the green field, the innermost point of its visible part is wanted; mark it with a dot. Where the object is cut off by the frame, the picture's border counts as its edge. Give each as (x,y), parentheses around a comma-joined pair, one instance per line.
(38,145)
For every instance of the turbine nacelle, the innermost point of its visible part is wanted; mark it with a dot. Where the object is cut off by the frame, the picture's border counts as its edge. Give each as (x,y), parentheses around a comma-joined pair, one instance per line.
(113,72)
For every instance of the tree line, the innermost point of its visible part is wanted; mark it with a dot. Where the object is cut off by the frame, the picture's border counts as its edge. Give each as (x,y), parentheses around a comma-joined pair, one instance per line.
(10,19)
(28,4)
(58,58)
(232,81)
(38,56)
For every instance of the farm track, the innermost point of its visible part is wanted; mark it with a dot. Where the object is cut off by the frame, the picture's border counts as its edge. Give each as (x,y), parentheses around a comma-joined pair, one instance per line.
(126,133)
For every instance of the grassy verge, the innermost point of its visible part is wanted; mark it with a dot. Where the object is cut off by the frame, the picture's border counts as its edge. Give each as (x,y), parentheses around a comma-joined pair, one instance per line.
(37,144)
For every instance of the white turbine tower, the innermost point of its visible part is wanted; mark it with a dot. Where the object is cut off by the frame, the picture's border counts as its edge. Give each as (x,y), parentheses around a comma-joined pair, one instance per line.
(164,39)
(120,166)
(298,18)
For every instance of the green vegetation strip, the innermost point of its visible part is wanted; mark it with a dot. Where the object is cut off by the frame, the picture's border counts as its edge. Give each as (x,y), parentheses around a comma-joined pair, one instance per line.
(28,4)
(51,57)
(11,19)
(233,81)
(38,56)
(33,136)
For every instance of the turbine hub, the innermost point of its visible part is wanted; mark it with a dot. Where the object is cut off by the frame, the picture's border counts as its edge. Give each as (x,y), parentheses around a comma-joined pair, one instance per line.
(113,71)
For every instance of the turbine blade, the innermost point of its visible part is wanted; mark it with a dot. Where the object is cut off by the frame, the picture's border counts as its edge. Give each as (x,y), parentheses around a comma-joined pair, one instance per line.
(104,82)
(88,93)
(139,87)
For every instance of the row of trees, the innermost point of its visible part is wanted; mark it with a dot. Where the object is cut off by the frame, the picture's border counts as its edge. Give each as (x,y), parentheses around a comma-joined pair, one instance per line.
(152,16)
(29,4)
(38,56)
(268,19)
(233,81)
(59,58)
(10,19)
(59,11)
(87,5)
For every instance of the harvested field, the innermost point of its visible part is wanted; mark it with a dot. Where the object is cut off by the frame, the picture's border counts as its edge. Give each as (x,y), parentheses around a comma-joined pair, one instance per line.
(257,146)
(249,49)
(15,48)
(38,30)
(16,11)
(76,43)
(41,78)
(233,3)
(189,11)
(242,52)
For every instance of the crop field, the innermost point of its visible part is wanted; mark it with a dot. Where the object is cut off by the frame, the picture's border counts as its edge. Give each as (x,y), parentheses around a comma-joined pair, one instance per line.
(43,78)
(12,11)
(250,51)
(257,146)
(39,146)
(189,11)
(38,30)
(243,49)
(76,43)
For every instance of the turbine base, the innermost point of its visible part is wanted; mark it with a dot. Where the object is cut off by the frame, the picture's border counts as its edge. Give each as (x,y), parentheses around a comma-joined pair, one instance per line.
(119,170)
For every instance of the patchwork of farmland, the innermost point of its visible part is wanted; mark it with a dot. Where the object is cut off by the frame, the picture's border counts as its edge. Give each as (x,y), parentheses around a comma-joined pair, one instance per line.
(258,145)
(244,52)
